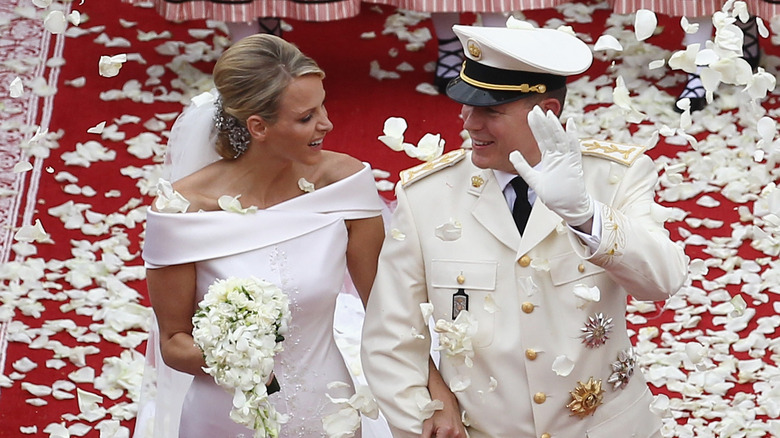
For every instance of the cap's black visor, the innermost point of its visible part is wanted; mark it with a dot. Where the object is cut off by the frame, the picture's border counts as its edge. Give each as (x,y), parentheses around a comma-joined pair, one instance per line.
(481,85)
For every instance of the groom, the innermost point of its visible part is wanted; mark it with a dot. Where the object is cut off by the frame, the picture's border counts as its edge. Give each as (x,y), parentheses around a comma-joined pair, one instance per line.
(520,254)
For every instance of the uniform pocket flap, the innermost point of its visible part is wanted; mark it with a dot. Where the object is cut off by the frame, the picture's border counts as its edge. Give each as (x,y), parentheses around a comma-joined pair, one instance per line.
(470,275)
(570,267)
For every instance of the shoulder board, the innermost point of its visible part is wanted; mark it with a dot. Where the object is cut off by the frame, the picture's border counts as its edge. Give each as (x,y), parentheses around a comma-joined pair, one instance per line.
(414,173)
(620,153)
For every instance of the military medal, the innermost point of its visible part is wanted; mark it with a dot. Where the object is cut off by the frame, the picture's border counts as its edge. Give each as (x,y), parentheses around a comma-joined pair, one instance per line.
(460,302)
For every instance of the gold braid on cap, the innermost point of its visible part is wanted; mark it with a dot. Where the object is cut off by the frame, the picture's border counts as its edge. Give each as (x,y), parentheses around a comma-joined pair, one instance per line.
(523,88)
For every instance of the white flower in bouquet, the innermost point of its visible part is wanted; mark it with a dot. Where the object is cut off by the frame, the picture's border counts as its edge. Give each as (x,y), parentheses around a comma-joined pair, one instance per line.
(240,326)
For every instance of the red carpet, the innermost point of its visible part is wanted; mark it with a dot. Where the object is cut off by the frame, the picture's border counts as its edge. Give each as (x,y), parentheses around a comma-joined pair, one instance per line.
(91,273)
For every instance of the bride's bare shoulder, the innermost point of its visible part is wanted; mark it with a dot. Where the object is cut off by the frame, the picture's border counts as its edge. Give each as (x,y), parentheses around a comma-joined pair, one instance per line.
(337,166)
(199,188)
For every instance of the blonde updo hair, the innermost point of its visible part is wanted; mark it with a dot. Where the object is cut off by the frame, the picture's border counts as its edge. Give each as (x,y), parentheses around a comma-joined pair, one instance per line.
(252,75)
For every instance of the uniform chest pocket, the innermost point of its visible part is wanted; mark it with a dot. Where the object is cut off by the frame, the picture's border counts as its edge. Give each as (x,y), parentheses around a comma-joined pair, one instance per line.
(454,282)
(570,267)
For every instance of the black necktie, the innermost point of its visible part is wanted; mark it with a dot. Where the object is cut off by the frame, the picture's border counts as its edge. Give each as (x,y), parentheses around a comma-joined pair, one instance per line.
(522,208)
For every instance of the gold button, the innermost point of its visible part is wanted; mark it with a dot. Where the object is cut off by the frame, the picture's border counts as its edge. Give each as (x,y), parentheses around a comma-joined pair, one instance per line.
(461,279)
(524,261)
(528,307)
(546,435)
(530,354)
(540,397)
(581,267)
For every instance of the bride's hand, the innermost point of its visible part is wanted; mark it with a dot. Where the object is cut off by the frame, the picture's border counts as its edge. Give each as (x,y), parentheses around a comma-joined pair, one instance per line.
(445,423)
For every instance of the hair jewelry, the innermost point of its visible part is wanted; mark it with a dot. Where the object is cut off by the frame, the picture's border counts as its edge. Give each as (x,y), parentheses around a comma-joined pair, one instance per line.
(238,135)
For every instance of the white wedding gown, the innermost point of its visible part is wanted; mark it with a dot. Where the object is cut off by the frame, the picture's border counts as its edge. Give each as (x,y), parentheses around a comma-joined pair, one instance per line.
(300,246)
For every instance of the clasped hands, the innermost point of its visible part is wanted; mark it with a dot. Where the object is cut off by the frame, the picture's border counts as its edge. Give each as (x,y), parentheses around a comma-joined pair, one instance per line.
(559,183)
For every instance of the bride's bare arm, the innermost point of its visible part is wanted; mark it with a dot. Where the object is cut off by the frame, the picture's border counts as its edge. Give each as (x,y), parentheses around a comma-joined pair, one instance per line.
(445,423)
(172,293)
(365,241)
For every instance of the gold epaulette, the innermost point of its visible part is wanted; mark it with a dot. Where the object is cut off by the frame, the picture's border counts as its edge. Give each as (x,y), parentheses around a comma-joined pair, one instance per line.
(624,154)
(427,168)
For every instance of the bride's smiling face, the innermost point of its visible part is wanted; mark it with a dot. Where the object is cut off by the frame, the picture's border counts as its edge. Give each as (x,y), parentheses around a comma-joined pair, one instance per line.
(302,121)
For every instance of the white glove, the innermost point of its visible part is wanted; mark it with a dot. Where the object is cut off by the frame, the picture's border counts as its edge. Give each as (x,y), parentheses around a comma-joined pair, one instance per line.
(559,184)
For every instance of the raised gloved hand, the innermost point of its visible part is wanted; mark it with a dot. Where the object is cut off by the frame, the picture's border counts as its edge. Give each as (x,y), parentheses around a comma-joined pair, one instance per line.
(559,183)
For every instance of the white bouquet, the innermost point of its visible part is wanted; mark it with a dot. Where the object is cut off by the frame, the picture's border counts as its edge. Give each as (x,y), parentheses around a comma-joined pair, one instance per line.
(240,326)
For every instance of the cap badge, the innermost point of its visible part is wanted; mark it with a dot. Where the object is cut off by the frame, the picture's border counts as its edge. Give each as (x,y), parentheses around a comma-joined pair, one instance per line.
(474,50)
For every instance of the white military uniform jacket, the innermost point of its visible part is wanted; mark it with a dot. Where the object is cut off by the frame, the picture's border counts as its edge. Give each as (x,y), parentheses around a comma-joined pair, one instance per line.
(452,230)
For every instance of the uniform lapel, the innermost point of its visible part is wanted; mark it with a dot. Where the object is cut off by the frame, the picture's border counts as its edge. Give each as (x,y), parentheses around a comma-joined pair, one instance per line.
(541,223)
(491,210)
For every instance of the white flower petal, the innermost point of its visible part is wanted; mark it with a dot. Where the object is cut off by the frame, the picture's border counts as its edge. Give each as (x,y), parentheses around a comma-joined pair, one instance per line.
(32,233)
(22,166)
(97,129)
(16,89)
(449,231)
(645,23)
(306,186)
(607,42)
(396,234)
(687,26)
(109,66)
(55,22)
(562,366)
(459,383)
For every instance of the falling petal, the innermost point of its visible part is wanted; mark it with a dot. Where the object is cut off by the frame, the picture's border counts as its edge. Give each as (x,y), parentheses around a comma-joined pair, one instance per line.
(656,64)
(645,22)
(685,60)
(687,26)
(740,10)
(55,22)
(428,148)
(607,42)
(514,23)
(74,18)
(706,57)
(762,30)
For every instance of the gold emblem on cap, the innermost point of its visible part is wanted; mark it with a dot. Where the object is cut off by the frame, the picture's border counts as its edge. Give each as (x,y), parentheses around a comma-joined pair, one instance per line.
(586,397)
(474,49)
(477,181)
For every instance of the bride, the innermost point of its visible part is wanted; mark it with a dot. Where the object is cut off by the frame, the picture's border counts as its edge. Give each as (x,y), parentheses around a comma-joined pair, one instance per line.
(259,140)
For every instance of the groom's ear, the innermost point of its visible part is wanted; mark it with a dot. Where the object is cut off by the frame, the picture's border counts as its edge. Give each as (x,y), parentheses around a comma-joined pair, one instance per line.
(256,126)
(551,104)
